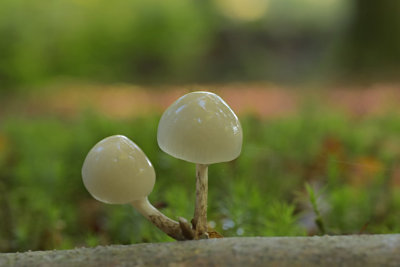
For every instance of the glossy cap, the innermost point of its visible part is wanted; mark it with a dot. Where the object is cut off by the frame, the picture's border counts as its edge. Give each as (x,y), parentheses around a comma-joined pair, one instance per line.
(116,171)
(201,128)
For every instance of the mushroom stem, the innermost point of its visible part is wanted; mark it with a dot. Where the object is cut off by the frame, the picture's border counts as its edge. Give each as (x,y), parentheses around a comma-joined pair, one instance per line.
(165,224)
(200,213)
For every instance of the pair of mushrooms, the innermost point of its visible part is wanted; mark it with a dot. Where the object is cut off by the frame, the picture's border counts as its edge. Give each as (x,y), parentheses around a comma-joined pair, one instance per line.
(199,127)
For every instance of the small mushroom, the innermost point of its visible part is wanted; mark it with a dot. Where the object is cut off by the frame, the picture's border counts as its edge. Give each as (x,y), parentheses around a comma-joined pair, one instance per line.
(200,128)
(116,171)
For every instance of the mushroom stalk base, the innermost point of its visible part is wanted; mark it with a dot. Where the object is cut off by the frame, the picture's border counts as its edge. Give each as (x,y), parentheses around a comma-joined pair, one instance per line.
(200,213)
(167,225)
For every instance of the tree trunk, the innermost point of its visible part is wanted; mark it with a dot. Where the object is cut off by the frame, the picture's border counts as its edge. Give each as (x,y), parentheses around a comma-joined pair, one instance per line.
(373,39)
(361,250)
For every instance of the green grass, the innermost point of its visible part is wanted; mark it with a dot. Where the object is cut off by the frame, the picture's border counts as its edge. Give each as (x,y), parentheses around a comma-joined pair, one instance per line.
(352,166)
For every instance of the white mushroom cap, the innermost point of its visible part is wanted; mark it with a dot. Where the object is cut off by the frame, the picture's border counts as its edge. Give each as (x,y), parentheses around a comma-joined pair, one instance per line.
(116,171)
(200,128)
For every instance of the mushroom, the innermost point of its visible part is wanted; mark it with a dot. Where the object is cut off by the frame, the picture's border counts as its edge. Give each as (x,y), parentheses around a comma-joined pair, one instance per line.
(200,128)
(116,171)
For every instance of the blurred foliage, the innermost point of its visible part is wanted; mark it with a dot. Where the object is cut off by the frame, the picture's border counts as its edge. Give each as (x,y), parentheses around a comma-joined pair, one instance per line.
(351,165)
(181,41)
(98,39)
(372,46)
(165,41)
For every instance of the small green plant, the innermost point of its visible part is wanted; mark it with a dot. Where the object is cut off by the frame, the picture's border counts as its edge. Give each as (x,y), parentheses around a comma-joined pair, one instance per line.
(200,128)
(313,200)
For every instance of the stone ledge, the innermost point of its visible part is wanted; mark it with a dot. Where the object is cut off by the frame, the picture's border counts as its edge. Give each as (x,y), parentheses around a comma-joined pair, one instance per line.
(355,250)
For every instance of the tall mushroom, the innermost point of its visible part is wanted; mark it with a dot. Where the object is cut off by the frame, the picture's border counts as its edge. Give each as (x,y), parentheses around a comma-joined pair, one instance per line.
(116,171)
(200,128)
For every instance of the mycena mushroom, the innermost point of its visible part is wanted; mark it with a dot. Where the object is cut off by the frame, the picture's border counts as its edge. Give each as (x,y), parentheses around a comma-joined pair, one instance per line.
(200,128)
(116,171)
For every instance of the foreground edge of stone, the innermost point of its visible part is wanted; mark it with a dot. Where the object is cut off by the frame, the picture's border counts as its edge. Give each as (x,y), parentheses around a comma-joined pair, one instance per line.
(352,250)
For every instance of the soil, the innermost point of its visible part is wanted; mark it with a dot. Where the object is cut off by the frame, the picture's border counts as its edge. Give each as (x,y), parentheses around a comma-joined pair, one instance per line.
(263,99)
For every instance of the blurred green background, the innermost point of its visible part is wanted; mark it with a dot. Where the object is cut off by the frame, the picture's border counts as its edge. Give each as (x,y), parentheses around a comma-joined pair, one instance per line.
(316,166)
(196,41)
